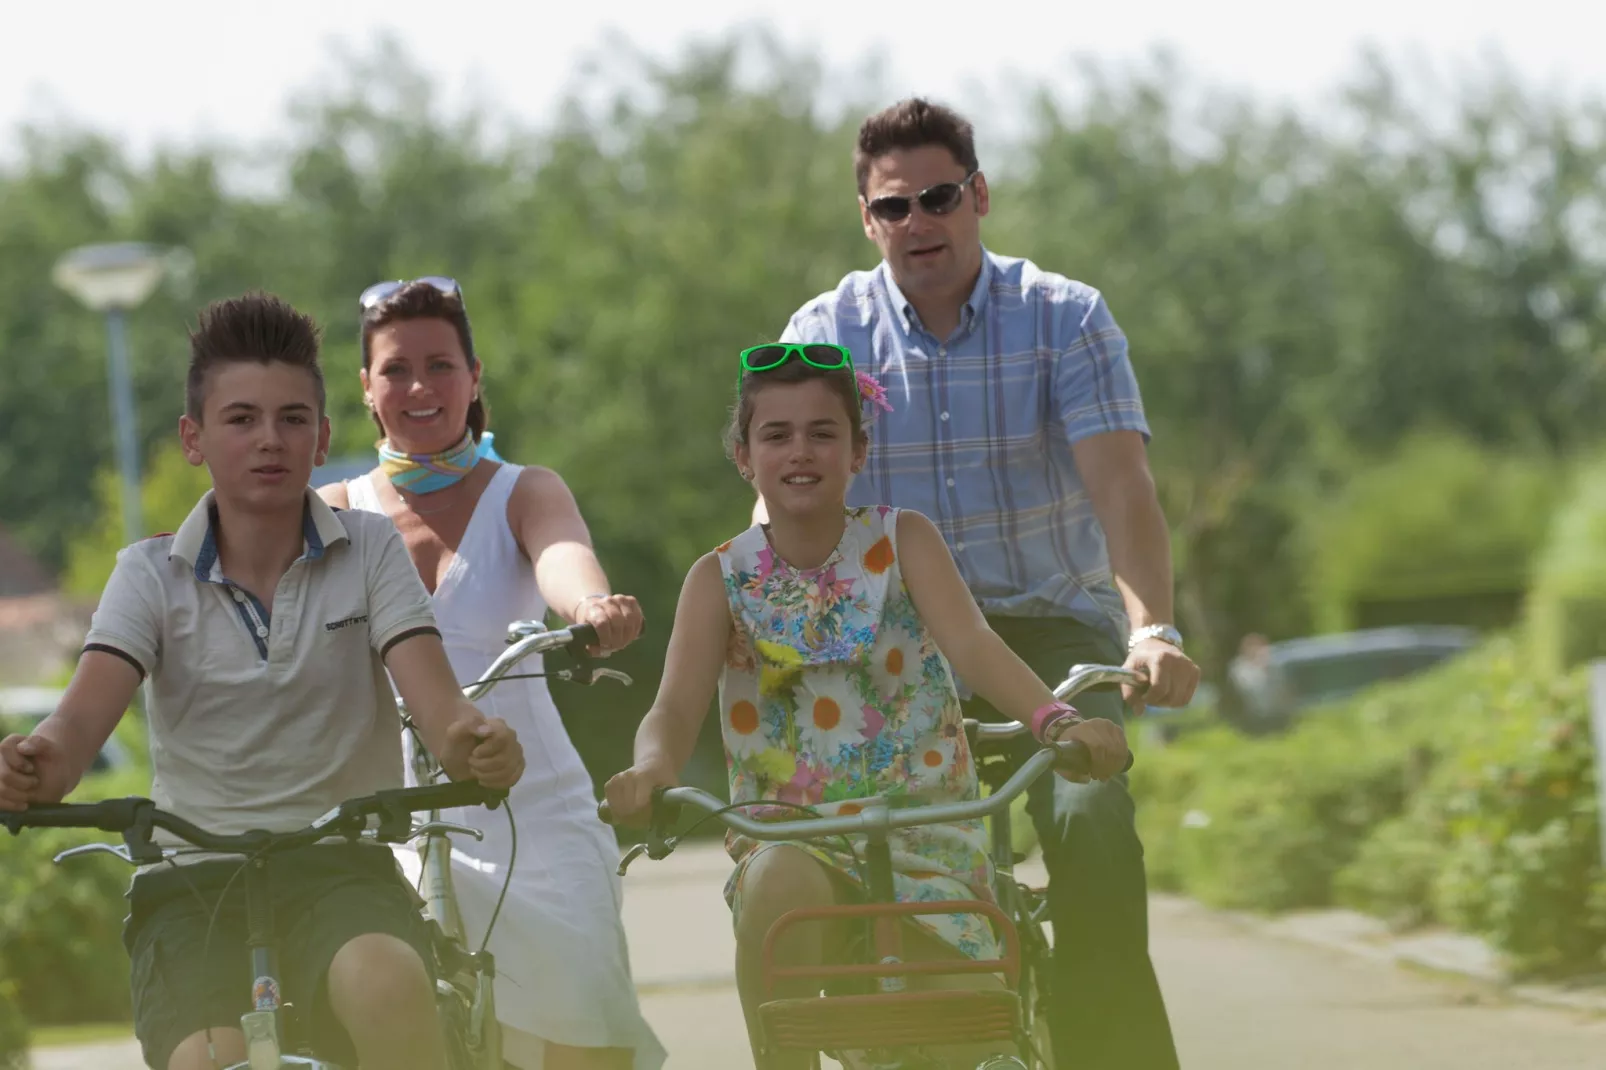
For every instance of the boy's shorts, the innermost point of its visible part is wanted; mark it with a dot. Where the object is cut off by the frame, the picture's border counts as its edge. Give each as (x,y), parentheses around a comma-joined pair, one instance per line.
(321,897)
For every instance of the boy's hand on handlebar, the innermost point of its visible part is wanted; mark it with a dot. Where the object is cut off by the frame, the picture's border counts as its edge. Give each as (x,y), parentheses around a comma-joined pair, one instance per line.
(1106,744)
(617,619)
(485,750)
(1172,676)
(32,770)
(629,794)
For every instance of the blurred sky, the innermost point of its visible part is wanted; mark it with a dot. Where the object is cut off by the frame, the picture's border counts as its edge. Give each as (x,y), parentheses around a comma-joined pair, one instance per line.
(170,70)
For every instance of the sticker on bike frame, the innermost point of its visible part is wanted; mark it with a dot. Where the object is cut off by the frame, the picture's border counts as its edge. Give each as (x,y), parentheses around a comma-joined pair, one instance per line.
(265,994)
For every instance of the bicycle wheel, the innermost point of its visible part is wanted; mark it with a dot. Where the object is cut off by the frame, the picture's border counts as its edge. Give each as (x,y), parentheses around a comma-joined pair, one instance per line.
(1040,1053)
(1036,995)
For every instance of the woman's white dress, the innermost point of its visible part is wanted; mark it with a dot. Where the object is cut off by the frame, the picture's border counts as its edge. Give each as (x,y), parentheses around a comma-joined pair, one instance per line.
(563,971)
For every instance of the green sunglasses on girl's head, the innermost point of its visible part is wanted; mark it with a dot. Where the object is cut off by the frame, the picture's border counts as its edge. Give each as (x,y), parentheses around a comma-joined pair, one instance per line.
(772,355)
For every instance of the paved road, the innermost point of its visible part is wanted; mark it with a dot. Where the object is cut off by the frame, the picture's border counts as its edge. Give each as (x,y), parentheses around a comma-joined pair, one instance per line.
(1239,1000)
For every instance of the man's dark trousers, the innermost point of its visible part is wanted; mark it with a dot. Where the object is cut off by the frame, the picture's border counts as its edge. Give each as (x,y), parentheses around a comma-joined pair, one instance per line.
(1109,1014)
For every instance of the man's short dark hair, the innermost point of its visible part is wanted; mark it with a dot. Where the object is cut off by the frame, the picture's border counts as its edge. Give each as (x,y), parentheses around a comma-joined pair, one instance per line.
(257,327)
(912,124)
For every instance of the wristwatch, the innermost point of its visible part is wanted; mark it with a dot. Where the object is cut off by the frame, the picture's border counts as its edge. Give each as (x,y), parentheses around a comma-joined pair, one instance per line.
(1163,632)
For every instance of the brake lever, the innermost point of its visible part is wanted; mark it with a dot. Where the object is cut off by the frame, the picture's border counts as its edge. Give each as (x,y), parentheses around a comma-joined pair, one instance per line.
(101,848)
(657,845)
(630,856)
(656,848)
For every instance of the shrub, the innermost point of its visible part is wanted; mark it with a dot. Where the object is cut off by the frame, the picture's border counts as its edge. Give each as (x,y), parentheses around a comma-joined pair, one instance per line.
(1567,605)
(1464,797)
(1443,527)
(61,926)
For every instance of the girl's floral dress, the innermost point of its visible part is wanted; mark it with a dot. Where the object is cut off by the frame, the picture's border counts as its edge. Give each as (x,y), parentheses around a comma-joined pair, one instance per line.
(833,694)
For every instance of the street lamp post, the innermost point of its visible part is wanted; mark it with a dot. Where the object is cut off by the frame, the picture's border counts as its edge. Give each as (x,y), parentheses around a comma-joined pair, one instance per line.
(112,279)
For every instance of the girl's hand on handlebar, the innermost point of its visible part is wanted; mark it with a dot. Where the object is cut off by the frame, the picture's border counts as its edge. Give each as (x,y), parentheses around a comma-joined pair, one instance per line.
(1105,742)
(617,619)
(629,794)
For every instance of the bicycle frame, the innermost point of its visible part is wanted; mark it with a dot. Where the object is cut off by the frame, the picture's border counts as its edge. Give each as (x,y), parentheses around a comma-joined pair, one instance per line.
(524,638)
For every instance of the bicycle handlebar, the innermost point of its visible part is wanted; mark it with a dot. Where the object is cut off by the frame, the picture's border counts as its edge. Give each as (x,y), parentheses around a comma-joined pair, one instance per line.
(526,637)
(1067,755)
(136,818)
(878,815)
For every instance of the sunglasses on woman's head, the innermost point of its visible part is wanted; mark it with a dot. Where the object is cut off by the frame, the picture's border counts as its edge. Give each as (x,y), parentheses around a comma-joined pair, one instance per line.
(934,200)
(380,292)
(772,355)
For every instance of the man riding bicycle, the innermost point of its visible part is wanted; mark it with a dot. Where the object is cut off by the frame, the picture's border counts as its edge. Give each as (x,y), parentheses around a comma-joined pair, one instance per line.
(262,630)
(1018,428)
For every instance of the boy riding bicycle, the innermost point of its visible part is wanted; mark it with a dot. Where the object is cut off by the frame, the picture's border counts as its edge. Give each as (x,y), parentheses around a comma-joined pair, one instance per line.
(245,627)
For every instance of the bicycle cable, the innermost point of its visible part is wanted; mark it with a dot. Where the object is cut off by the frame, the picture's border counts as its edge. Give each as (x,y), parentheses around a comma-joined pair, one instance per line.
(512,856)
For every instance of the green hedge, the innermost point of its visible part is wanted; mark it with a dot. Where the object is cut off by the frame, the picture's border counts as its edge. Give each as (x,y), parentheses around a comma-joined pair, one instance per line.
(61,954)
(1567,604)
(1440,525)
(1503,840)
(61,926)
(1463,797)
(13,1026)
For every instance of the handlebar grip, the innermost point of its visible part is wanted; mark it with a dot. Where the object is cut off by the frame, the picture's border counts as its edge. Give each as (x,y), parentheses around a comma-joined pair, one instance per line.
(443,796)
(1074,757)
(584,635)
(663,810)
(109,815)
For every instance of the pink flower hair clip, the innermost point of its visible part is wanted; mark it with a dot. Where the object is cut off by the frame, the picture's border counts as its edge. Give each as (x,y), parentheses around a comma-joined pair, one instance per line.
(872,392)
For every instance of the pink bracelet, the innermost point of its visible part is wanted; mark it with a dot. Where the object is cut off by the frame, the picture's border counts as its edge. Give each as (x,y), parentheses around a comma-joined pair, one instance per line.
(1051,713)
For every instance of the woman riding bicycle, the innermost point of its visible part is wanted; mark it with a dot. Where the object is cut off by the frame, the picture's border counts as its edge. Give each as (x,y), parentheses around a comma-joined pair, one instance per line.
(829,633)
(496,542)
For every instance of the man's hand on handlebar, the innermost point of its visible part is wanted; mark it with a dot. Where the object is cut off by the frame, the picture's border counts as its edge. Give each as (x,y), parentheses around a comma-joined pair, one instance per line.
(33,769)
(1172,676)
(1106,747)
(487,749)
(629,794)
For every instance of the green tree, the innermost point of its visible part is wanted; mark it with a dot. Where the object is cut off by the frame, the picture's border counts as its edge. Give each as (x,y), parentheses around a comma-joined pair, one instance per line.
(172,487)
(1442,528)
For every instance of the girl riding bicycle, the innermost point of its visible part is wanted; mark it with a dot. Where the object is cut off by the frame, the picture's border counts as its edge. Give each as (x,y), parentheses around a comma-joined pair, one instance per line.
(832,636)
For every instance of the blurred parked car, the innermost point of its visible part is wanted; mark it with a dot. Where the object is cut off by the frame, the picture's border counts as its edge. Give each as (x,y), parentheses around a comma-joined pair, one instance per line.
(1270,684)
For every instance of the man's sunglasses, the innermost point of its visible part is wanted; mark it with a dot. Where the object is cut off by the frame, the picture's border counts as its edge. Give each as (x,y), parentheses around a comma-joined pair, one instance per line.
(380,292)
(934,200)
(772,355)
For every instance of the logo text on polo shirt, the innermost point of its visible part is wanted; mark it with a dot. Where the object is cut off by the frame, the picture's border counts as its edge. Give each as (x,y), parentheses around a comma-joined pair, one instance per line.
(336,625)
